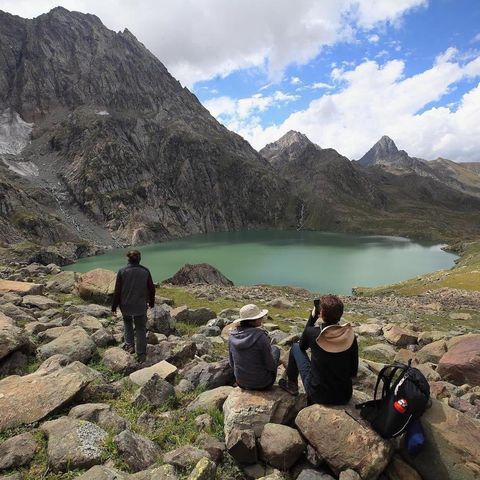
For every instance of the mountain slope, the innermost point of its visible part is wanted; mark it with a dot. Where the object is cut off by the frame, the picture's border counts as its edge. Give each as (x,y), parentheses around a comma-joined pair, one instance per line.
(121,141)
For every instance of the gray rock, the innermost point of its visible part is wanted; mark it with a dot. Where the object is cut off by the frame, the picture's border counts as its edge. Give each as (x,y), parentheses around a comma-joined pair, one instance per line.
(209,375)
(185,457)
(164,472)
(349,475)
(214,447)
(281,446)
(199,273)
(39,301)
(73,443)
(204,470)
(154,393)
(119,361)
(75,344)
(11,337)
(98,311)
(17,451)
(102,338)
(241,446)
(199,316)
(160,320)
(101,414)
(137,451)
(63,282)
(309,474)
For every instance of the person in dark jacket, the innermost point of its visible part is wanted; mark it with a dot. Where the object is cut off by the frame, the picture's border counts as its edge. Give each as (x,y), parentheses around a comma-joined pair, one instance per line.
(253,360)
(134,289)
(327,377)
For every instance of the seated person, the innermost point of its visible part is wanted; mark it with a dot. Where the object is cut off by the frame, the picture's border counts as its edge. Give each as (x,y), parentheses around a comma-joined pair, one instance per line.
(327,377)
(253,360)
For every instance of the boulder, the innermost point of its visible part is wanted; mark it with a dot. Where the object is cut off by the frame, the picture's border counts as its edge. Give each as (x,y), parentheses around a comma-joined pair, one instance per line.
(195,316)
(214,447)
(425,338)
(21,315)
(343,440)
(17,451)
(20,288)
(461,363)
(87,322)
(350,475)
(100,414)
(211,399)
(160,320)
(73,443)
(103,338)
(163,369)
(370,329)
(452,448)
(154,393)
(137,451)
(248,409)
(39,301)
(32,397)
(281,446)
(63,282)
(381,351)
(281,302)
(185,457)
(11,337)
(164,472)
(119,361)
(75,344)
(241,445)
(205,469)
(209,375)
(102,472)
(432,352)
(176,352)
(400,470)
(98,311)
(14,364)
(309,474)
(199,273)
(97,285)
(398,336)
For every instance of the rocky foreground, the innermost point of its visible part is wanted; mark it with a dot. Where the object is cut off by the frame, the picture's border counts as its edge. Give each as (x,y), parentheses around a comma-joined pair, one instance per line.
(73,404)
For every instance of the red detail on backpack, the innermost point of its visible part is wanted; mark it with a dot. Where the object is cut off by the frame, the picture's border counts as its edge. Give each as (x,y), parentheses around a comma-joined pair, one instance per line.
(400,405)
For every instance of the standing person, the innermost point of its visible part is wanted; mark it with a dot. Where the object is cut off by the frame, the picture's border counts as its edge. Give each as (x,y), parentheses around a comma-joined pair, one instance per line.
(327,377)
(253,360)
(134,289)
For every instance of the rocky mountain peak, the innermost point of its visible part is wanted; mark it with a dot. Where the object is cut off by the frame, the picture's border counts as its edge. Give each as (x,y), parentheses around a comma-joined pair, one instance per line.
(383,151)
(289,146)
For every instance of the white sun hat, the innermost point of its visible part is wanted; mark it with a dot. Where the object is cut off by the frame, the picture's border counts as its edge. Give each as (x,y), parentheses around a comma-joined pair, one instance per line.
(250,312)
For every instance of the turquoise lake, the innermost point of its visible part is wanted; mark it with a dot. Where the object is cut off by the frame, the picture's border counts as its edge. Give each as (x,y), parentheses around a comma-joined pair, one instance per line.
(319,261)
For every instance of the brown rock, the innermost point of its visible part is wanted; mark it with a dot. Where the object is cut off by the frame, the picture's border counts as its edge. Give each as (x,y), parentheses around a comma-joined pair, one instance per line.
(137,451)
(461,363)
(452,448)
(163,369)
(97,285)
(11,338)
(32,397)
(281,446)
(398,336)
(17,451)
(184,457)
(242,447)
(399,470)
(20,288)
(211,399)
(343,440)
(119,361)
(432,352)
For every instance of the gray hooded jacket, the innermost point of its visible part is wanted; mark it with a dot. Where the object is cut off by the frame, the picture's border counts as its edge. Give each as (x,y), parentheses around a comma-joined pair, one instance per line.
(251,358)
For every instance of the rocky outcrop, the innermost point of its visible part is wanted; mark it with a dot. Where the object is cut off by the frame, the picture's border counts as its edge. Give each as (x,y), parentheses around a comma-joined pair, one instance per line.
(97,285)
(452,448)
(461,363)
(199,273)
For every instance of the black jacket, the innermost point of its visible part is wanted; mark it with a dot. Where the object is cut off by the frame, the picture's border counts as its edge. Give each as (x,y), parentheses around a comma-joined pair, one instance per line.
(331,373)
(134,288)
(251,358)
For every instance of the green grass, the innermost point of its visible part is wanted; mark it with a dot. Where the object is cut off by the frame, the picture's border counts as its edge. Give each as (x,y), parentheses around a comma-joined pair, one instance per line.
(96,362)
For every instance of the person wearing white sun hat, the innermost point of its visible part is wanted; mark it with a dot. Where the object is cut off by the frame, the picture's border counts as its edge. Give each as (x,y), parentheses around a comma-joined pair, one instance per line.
(253,360)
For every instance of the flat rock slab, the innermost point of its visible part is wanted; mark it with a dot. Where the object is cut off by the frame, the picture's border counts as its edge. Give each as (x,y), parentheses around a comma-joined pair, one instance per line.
(101,414)
(211,399)
(17,451)
(73,443)
(39,301)
(163,369)
(32,397)
(20,288)
(11,338)
(101,472)
(97,285)
(400,337)
(185,457)
(343,441)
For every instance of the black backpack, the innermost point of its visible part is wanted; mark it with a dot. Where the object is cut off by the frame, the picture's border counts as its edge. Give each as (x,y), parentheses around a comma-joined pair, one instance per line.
(405,397)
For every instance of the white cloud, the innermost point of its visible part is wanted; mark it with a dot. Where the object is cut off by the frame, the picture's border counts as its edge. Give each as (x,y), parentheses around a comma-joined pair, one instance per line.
(295,81)
(198,40)
(319,85)
(379,99)
(476,38)
(373,38)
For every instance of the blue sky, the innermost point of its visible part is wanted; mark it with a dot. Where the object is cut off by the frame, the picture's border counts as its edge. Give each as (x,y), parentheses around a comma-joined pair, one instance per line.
(344,72)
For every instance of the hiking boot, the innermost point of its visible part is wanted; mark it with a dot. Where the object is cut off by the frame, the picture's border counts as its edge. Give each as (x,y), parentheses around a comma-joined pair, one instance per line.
(141,358)
(288,386)
(129,348)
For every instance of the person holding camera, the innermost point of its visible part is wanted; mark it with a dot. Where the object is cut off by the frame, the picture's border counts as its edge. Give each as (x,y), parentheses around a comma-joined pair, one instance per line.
(134,289)
(327,377)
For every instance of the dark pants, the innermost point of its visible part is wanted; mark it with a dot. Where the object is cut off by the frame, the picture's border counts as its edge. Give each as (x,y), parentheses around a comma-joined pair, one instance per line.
(140,334)
(298,362)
